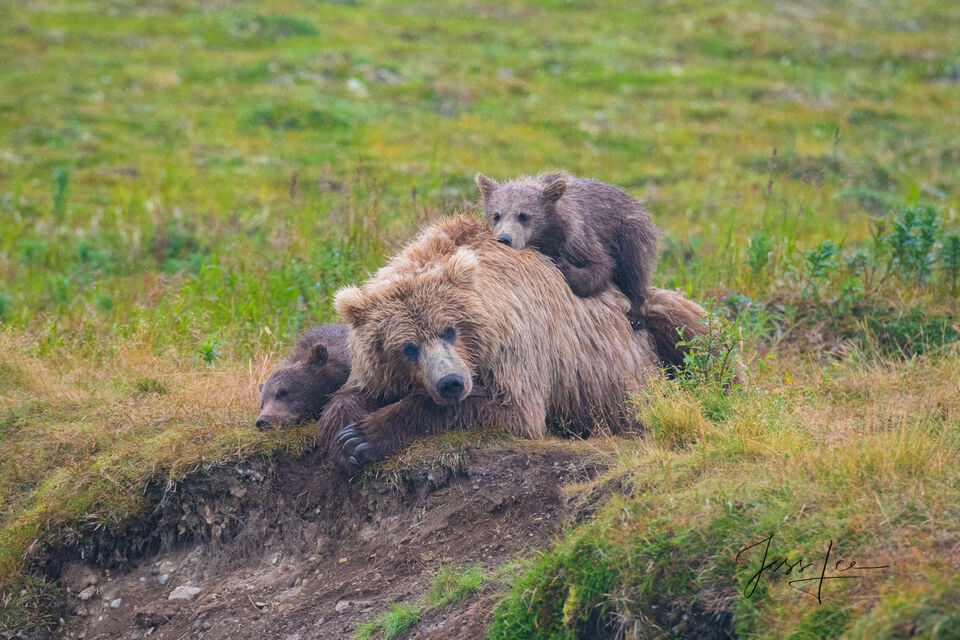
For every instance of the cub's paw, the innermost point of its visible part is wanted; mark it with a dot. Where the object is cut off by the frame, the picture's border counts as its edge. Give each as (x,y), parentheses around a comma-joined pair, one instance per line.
(354,447)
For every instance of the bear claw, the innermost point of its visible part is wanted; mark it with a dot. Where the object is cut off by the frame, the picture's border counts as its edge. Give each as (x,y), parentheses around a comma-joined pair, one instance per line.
(354,445)
(347,432)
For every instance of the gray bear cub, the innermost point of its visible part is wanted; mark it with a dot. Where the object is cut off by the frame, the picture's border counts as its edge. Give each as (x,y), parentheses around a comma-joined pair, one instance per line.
(595,232)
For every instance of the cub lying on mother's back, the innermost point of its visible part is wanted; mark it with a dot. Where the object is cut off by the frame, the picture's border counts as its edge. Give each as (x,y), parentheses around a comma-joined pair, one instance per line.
(596,233)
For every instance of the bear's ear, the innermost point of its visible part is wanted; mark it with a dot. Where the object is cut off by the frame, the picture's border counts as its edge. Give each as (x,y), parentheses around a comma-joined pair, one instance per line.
(485,185)
(556,187)
(462,266)
(351,304)
(318,354)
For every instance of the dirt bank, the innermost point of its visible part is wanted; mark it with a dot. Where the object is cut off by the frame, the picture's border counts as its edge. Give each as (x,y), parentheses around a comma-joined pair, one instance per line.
(277,549)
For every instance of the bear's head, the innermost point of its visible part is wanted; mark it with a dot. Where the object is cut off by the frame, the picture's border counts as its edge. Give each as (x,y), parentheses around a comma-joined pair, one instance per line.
(522,212)
(417,331)
(300,387)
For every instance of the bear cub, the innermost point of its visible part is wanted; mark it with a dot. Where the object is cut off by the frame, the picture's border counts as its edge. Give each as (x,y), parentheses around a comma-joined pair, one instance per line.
(301,385)
(595,232)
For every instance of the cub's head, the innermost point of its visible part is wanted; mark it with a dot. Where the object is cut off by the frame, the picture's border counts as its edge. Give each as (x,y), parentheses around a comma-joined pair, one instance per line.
(522,212)
(300,387)
(417,333)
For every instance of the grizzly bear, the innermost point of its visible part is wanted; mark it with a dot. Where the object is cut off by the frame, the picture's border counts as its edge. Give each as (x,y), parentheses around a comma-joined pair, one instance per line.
(460,330)
(300,387)
(596,233)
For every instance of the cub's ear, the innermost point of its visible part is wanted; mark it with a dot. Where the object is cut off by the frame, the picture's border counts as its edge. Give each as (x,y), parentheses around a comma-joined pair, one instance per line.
(351,304)
(485,185)
(556,187)
(318,354)
(462,267)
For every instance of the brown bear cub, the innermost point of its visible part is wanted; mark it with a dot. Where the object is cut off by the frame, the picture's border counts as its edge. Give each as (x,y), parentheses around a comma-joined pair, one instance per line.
(300,387)
(594,232)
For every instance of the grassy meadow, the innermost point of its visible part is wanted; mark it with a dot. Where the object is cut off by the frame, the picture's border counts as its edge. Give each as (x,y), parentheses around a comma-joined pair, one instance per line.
(183,185)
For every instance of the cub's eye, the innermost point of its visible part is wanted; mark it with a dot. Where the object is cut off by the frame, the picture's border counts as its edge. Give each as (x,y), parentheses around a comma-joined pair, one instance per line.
(449,334)
(523,218)
(283,393)
(410,351)
(496,217)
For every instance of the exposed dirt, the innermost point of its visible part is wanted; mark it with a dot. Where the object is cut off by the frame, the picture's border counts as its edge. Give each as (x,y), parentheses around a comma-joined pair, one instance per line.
(278,549)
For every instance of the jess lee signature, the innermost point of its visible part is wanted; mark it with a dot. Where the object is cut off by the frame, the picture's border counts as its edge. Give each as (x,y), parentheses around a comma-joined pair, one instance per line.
(845,570)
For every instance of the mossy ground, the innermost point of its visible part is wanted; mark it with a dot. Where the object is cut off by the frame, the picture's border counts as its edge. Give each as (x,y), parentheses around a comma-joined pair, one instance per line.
(183,185)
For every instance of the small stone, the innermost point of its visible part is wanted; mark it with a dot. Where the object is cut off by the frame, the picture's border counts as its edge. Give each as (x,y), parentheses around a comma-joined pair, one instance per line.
(476,486)
(342,606)
(196,623)
(115,603)
(260,605)
(162,578)
(184,592)
(142,579)
(87,593)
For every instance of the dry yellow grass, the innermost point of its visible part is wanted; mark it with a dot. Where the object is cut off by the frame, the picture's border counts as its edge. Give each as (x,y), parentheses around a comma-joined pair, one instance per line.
(89,435)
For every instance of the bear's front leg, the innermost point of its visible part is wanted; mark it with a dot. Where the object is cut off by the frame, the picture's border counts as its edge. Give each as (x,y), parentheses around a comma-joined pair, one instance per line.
(350,405)
(384,431)
(388,429)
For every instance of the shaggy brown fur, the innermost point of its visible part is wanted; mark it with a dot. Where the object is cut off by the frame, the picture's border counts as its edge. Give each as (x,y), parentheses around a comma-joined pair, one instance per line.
(301,385)
(460,330)
(665,311)
(596,233)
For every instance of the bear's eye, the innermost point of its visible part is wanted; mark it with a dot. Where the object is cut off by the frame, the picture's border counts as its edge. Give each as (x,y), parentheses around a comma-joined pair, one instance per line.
(449,334)
(283,393)
(523,218)
(410,350)
(496,217)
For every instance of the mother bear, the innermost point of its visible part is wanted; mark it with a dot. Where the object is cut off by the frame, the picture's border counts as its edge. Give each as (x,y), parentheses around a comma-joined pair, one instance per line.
(459,330)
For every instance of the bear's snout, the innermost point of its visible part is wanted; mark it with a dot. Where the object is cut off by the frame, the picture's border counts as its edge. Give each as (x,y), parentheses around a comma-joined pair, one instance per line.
(450,387)
(505,239)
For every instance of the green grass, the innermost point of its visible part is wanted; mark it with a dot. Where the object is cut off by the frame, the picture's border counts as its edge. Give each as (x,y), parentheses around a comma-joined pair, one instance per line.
(448,587)
(866,459)
(184,185)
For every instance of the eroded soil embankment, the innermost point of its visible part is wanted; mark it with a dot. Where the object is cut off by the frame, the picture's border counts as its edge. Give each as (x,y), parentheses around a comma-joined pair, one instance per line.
(277,549)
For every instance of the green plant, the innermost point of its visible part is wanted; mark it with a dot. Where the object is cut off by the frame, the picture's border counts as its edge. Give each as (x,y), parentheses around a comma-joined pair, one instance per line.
(209,351)
(61,181)
(758,252)
(710,358)
(911,242)
(819,261)
(6,306)
(950,260)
